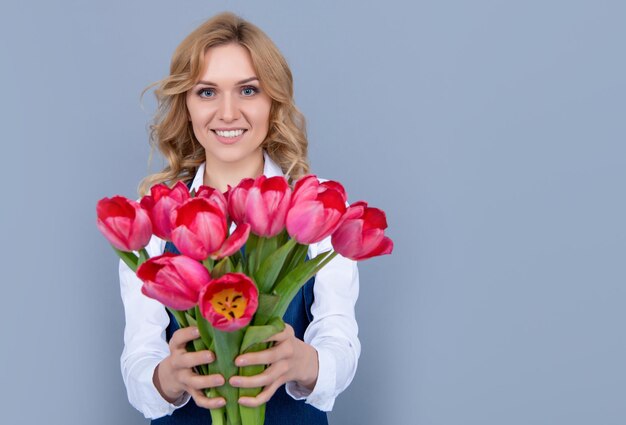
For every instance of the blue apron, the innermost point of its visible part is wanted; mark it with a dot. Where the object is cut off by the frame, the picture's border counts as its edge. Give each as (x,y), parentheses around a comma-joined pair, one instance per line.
(282,409)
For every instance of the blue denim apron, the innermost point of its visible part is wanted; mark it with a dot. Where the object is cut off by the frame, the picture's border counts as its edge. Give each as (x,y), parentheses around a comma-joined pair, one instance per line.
(282,409)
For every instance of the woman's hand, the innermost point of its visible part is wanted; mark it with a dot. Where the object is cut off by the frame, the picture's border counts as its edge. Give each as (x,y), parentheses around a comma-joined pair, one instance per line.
(290,360)
(174,375)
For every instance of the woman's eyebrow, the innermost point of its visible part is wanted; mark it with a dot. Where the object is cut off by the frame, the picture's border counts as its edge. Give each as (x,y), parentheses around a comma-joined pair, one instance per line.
(247,80)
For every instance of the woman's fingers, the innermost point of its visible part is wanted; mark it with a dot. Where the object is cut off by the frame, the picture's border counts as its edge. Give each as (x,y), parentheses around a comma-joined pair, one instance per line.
(203,401)
(283,335)
(262,397)
(269,356)
(188,360)
(199,382)
(182,336)
(274,373)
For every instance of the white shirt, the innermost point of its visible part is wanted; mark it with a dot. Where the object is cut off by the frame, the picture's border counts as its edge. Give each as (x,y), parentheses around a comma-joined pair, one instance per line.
(333,331)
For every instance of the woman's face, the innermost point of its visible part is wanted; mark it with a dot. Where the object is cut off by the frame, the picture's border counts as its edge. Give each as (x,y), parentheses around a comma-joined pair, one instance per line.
(228,108)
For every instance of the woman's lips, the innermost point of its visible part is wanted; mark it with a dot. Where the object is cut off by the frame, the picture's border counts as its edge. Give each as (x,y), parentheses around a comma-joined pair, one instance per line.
(228,140)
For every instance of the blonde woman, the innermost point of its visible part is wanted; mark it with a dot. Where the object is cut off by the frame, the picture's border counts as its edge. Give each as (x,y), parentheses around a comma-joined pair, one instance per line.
(226,112)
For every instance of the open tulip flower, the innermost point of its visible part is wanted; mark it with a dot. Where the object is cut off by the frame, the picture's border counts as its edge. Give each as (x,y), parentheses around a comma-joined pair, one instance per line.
(362,233)
(229,302)
(316,209)
(124,223)
(200,230)
(173,280)
(160,203)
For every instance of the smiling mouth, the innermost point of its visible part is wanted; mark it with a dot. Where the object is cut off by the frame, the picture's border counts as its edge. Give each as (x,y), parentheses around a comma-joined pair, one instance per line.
(230,133)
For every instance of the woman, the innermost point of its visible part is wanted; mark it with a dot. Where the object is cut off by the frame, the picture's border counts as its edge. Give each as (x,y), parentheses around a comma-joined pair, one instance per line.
(226,112)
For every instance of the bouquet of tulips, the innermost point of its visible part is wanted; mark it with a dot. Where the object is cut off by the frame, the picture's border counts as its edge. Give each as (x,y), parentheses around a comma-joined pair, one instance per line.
(236,287)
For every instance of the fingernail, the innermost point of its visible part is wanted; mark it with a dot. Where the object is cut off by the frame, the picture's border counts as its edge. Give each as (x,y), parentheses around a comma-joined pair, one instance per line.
(235,381)
(221,402)
(196,332)
(241,362)
(209,357)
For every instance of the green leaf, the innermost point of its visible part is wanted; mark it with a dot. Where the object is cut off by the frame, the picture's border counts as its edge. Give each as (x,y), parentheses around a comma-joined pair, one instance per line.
(251,415)
(294,259)
(267,304)
(288,287)
(206,331)
(257,334)
(208,263)
(221,268)
(239,267)
(267,273)
(180,317)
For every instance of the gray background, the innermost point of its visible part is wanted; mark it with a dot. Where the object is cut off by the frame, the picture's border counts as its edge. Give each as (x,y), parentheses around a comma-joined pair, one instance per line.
(491,132)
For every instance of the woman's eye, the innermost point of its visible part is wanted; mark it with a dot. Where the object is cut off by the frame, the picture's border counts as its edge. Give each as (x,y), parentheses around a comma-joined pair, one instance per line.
(249,90)
(205,93)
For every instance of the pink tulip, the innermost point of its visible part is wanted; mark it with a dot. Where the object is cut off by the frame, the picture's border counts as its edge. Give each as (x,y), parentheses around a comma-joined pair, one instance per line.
(160,203)
(173,280)
(316,209)
(124,223)
(214,196)
(237,197)
(229,303)
(200,230)
(267,205)
(362,235)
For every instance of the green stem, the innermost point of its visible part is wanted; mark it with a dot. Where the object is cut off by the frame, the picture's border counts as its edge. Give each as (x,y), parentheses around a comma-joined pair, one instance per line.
(129,258)
(259,255)
(143,256)
(179,316)
(208,263)
(227,346)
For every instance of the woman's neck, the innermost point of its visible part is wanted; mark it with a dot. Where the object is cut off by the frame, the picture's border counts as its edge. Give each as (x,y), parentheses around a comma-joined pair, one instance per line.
(220,175)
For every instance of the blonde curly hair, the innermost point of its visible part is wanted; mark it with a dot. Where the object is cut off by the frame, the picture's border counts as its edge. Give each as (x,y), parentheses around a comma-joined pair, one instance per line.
(171,132)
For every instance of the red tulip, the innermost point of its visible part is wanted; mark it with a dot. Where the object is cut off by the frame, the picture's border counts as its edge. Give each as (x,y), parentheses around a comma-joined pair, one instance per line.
(173,280)
(214,196)
(316,209)
(124,223)
(229,303)
(267,204)
(200,230)
(362,233)
(160,203)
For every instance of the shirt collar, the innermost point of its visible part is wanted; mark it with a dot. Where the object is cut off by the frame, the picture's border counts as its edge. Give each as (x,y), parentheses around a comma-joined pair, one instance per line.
(270,169)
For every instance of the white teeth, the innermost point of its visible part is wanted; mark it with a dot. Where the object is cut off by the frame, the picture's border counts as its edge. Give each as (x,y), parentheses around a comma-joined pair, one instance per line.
(230,133)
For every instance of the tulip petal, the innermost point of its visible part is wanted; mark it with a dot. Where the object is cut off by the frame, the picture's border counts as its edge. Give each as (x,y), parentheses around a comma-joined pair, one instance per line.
(304,221)
(189,244)
(234,242)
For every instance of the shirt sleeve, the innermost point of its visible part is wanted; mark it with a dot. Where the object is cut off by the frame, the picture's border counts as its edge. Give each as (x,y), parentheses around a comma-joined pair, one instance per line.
(333,331)
(144,343)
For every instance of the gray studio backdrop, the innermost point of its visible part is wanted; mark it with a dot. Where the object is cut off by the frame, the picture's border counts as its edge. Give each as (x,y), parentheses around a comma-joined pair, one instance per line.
(491,132)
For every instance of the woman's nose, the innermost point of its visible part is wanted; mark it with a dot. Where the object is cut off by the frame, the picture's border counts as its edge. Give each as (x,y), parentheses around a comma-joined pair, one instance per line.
(228,110)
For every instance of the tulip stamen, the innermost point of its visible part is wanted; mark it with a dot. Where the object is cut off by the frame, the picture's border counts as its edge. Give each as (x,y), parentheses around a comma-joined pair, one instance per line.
(229,303)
